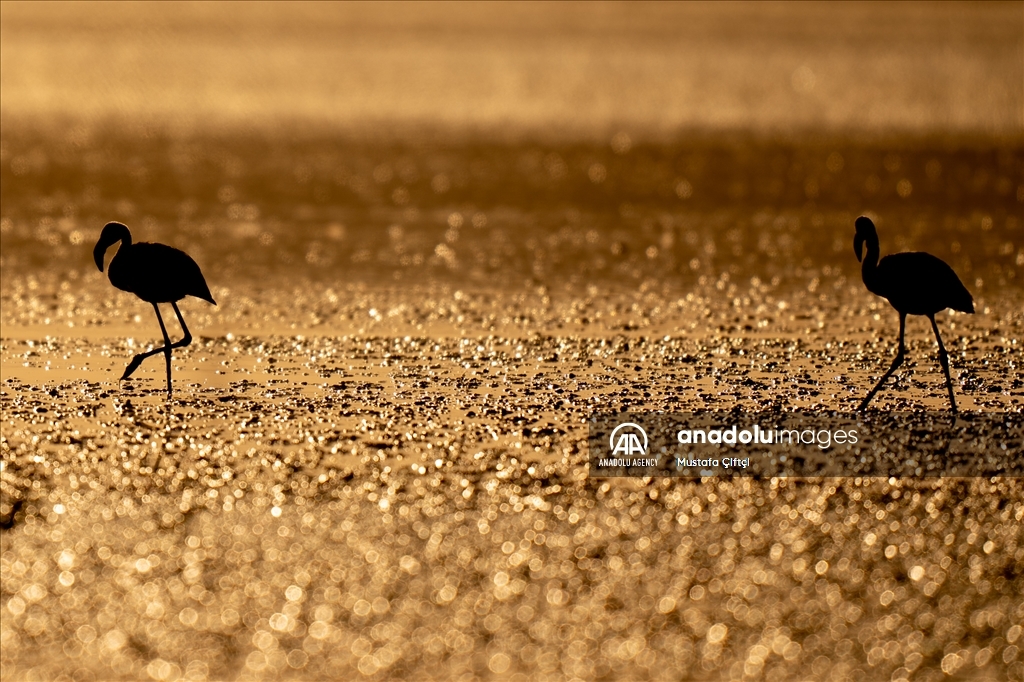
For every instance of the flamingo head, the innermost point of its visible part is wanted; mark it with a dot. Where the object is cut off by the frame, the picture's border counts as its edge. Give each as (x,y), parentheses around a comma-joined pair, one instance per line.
(112,233)
(865,231)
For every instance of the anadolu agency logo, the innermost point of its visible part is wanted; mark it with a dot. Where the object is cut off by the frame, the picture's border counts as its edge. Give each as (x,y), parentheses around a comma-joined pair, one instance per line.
(625,440)
(628,444)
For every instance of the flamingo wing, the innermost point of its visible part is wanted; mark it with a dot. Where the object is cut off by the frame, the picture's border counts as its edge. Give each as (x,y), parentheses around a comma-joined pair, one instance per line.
(920,284)
(158,274)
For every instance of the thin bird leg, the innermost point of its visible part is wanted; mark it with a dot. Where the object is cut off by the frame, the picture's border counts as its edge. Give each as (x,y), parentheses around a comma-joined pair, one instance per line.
(165,349)
(167,346)
(895,364)
(944,361)
(187,339)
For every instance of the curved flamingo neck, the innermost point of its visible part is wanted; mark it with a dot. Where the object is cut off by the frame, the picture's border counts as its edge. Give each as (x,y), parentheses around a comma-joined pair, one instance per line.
(120,233)
(112,234)
(123,246)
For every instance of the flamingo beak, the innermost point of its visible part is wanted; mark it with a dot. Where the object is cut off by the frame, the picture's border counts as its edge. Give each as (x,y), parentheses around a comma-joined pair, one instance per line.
(858,246)
(98,252)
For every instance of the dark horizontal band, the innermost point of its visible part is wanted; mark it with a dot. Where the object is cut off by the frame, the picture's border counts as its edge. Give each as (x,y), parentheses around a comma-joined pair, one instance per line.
(803,444)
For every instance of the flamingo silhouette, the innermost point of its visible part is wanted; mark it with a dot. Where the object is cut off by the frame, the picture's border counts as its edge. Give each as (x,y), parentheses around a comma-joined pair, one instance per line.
(915,284)
(156,273)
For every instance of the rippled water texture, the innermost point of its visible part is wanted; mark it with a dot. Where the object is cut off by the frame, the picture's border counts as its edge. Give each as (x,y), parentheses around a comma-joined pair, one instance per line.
(375,463)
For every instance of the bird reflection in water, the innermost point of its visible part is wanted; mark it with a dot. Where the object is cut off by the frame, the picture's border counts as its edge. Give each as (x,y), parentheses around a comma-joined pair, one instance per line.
(915,284)
(156,273)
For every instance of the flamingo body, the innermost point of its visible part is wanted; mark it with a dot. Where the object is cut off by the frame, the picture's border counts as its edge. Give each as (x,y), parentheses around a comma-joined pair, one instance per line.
(918,283)
(157,273)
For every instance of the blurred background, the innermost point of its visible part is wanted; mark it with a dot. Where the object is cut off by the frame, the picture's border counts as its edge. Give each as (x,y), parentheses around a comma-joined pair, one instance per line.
(522,143)
(582,70)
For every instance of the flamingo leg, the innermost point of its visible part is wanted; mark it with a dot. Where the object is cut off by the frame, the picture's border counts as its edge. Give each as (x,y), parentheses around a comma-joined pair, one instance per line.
(167,346)
(187,339)
(900,353)
(944,361)
(165,349)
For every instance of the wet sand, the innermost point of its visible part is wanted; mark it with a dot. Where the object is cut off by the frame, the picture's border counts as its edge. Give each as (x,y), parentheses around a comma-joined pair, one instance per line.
(375,460)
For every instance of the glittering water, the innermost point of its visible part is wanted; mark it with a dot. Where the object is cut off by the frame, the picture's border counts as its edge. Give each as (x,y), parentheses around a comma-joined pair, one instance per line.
(375,462)
(253,207)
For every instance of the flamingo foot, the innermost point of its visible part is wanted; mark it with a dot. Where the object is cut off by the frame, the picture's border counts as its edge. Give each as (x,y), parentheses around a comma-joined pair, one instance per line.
(132,366)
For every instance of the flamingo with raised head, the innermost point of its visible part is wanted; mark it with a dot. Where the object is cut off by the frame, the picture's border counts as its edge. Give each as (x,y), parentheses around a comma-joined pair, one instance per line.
(156,273)
(915,284)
